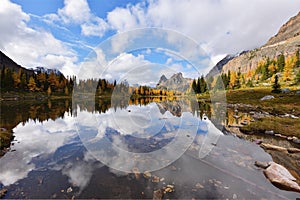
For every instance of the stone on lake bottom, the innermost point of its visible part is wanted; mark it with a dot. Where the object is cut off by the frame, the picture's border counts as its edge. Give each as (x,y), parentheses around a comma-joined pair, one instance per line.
(271,132)
(281,177)
(158,194)
(293,150)
(260,164)
(268,97)
(273,147)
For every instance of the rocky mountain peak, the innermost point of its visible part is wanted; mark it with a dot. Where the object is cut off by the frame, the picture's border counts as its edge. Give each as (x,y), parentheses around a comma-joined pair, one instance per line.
(218,67)
(175,82)
(286,41)
(162,79)
(289,30)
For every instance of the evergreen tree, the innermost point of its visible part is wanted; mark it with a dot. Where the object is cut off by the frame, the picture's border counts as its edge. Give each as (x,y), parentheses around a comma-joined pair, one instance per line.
(198,85)
(297,63)
(281,62)
(276,86)
(194,86)
(203,86)
(249,83)
(297,78)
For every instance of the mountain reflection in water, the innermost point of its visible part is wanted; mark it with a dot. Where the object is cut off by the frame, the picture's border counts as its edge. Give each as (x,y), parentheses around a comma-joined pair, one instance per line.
(78,152)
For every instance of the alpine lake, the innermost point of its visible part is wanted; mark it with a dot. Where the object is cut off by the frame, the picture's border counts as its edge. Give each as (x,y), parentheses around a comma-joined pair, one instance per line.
(130,149)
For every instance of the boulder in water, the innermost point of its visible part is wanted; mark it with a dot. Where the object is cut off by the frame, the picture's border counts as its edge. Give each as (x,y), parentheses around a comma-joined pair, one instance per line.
(268,97)
(285,90)
(281,177)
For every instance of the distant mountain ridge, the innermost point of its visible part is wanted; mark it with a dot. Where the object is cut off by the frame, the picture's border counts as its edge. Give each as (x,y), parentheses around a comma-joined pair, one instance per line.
(176,82)
(46,70)
(286,41)
(7,62)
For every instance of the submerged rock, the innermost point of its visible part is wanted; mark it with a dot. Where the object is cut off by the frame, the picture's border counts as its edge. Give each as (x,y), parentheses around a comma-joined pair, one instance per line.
(268,97)
(260,164)
(147,174)
(136,172)
(297,141)
(155,179)
(281,177)
(157,194)
(285,90)
(293,150)
(271,132)
(273,147)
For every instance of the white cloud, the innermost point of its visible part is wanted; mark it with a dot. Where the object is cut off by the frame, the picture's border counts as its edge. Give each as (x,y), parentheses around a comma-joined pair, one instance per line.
(78,12)
(220,27)
(96,28)
(128,18)
(75,11)
(44,139)
(31,47)
(226,26)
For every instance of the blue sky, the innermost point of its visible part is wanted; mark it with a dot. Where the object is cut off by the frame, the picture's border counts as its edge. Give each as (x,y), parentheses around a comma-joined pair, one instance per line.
(62,33)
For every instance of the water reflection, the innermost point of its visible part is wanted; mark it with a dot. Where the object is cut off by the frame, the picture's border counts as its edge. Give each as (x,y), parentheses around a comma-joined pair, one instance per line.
(97,152)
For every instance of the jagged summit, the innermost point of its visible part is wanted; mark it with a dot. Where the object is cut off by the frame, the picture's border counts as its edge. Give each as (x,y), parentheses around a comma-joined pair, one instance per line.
(175,82)
(162,79)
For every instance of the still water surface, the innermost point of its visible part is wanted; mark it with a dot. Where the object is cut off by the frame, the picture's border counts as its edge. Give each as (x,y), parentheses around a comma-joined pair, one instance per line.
(102,151)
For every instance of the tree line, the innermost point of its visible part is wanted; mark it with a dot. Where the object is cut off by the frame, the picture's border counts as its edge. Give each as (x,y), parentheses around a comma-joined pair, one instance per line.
(285,68)
(20,81)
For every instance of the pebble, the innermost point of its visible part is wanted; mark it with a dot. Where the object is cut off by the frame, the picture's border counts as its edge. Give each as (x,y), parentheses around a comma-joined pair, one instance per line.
(271,132)
(198,185)
(293,150)
(263,165)
(297,141)
(155,179)
(69,190)
(147,174)
(170,186)
(136,172)
(157,194)
(234,196)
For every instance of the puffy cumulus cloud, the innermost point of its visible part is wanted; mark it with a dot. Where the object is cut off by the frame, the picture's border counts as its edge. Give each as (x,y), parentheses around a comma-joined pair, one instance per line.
(128,18)
(32,47)
(225,26)
(75,11)
(78,12)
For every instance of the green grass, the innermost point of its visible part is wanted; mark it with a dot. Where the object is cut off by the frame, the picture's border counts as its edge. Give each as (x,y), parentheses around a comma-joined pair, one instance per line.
(284,126)
(281,104)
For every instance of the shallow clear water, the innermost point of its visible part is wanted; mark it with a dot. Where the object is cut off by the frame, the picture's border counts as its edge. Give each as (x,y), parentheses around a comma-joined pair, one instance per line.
(103,153)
